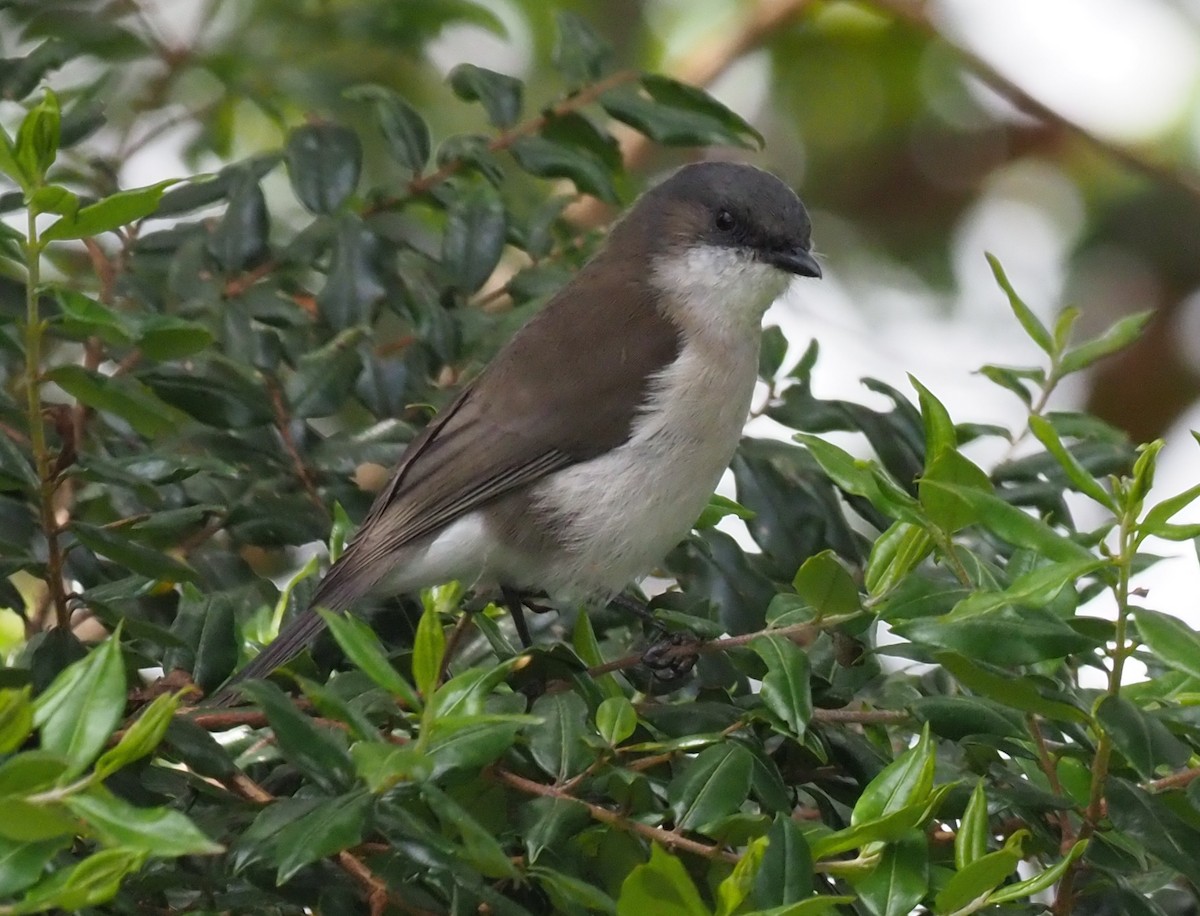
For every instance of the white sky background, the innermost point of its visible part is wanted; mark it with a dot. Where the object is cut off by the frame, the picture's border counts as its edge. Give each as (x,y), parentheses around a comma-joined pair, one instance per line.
(1128,70)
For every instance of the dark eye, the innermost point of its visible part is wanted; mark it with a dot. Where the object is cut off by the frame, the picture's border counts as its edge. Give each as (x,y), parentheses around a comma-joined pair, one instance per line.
(724,220)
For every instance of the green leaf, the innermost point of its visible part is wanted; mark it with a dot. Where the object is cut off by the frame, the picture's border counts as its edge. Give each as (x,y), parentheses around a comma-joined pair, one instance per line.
(111,213)
(1157,516)
(165,337)
(1117,337)
(483,852)
(718,508)
(549,159)
(159,832)
(946,510)
(900,881)
(93,881)
(785,688)
(661,885)
(365,651)
(239,240)
(403,128)
(316,751)
(1141,738)
(1047,879)
(980,877)
(1015,692)
(888,828)
(325,377)
(616,720)
(82,706)
(1150,823)
(10,165)
(710,786)
(23,863)
(1078,474)
(826,585)
(675,114)
(333,825)
(429,648)
(472,742)
(121,396)
(1012,524)
(1000,639)
(36,145)
(499,94)
(84,317)
(353,287)
(474,238)
(142,737)
(324,161)
(16,718)
(940,435)
(216,391)
(786,874)
(1010,380)
(1172,641)
(134,557)
(206,625)
(557,746)
(895,554)
(382,766)
(736,888)
(1036,588)
(580,55)
(53,198)
(971,841)
(904,782)
(1029,321)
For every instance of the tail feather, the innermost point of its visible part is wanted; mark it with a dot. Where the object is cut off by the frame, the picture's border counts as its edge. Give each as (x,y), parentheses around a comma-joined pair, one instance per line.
(290,642)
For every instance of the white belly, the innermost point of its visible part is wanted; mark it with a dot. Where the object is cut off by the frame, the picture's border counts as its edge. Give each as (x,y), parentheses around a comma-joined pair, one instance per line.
(638,501)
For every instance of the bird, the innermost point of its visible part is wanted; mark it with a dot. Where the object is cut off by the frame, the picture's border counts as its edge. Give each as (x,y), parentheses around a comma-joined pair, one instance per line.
(590,444)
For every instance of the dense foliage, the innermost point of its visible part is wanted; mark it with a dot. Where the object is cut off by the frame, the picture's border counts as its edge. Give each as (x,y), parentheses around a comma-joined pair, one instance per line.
(200,385)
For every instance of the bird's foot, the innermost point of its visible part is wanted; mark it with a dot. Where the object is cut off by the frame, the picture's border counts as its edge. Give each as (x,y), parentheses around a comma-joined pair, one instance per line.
(672,657)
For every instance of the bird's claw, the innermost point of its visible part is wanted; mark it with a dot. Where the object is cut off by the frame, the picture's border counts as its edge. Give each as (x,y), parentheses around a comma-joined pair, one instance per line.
(673,657)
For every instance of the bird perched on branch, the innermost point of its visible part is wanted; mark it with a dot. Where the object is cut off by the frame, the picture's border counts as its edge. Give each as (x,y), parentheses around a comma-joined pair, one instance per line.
(590,444)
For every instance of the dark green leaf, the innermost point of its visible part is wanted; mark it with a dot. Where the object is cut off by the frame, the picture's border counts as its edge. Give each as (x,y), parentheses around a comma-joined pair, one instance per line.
(217,392)
(786,875)
(1036,588)
(785,688)
(557,746)
(121,396)
(324,161)
(482,850)
(363,648)
(1078,474)
(134,557)
(165,337)
(333,825)
(402,126)
(499,94)
(474,239)
(1140,737)
(1172,641)
(317,751)
(900,880)
(675,114)
(1001,639)
(325,377)
(354,284)
(472,742)
(548,159)
(710,786)
(206,625)
(1015,692)
(580,55)
(93,881)
(904,782)
(945,509)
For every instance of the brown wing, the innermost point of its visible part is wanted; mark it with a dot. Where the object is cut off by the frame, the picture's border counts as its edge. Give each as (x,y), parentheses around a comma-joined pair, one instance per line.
(565,389)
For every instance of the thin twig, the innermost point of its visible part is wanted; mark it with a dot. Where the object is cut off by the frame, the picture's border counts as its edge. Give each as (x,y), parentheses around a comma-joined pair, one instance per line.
(666,838)
(283,424)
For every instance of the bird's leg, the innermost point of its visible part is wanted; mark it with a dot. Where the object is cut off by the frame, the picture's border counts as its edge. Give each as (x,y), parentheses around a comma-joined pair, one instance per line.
(669,657)
(516,609)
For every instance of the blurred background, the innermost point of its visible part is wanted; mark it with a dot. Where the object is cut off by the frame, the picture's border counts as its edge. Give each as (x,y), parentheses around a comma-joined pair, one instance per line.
(1060,135)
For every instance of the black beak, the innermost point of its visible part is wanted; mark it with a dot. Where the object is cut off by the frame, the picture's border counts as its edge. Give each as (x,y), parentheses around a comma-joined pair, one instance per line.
(799,261)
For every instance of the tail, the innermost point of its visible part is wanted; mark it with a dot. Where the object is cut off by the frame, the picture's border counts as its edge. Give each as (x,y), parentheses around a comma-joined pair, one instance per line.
(289,643)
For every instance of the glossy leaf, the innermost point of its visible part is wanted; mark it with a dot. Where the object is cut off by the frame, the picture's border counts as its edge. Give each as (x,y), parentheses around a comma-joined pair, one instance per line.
(312,749)
(710,786)
(785,688)
(824,583)
(786,874)
(474,239)
(971,840)
(1172,641)
(557,746)
(900,881)
(429,648)
(16,718)
(981,876)
(616,720)
(1029,321)
(1141,738)
(548,159)
(333,825)
(499,94)
(402,125)
(154,831)
(1120,335)
(661,885)
(363,648)
(76,714)
(140,738)
(324,161)
(111,213)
